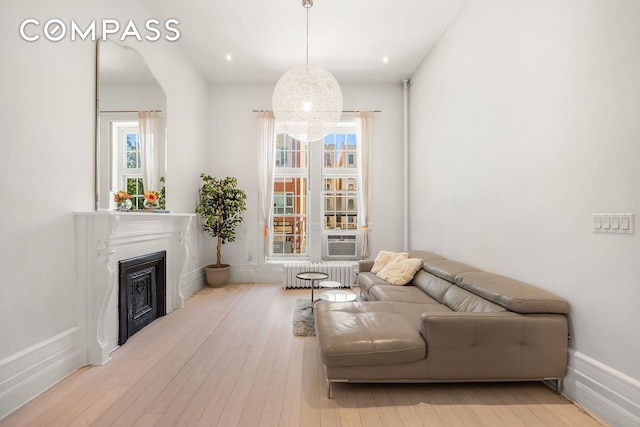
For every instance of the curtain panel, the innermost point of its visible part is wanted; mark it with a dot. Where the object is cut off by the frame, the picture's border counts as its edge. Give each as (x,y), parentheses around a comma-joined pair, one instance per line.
(266,140)
(363,134)
(149,125)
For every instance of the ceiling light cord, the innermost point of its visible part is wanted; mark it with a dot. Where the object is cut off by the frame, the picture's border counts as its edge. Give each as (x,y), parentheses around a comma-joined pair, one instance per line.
(307,5)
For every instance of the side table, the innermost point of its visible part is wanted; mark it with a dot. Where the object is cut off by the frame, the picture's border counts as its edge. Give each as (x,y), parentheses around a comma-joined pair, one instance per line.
(338,296)
(312,276)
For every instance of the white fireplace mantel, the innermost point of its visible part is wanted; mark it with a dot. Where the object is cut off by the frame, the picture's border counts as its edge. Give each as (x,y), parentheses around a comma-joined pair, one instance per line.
(102,240)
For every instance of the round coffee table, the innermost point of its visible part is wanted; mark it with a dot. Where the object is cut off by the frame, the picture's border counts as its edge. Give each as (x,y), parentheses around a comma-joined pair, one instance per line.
(329,284)
(337,296)
(312,276)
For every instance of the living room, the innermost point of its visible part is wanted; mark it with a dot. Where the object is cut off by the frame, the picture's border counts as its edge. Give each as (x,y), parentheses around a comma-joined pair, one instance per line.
(523,124)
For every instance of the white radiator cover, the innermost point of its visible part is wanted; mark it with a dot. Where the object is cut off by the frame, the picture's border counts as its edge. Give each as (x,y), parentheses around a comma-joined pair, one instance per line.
(342,272)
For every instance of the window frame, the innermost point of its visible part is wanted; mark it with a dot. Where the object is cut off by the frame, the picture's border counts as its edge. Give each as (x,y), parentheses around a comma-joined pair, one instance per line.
(315,172)
(122,173)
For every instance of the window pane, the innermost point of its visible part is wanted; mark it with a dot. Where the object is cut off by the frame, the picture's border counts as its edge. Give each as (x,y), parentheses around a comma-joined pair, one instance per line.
(351,150)
(133,151)
(289,215)
(132,142)
(329,149)
(136,191)
(340,151)
(290,153)
(341,203)
(133,161)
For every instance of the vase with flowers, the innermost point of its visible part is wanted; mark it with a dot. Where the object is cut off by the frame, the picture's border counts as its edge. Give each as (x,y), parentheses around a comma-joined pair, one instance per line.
(151,199)
(123,201)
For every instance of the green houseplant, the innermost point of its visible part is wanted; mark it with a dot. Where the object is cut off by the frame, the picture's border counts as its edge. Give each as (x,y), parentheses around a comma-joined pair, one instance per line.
(221,206)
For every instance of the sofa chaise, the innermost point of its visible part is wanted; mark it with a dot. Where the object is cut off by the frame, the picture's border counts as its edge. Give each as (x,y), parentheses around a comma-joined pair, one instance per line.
(450,323)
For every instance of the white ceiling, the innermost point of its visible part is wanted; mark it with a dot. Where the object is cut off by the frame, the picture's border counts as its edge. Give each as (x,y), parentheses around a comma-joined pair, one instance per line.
(349,38)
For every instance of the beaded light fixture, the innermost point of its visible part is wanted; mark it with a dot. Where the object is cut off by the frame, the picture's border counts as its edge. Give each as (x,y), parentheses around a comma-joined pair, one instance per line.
(307,100)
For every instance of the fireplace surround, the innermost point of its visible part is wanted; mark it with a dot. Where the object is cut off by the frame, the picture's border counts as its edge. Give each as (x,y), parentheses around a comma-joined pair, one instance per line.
(103,240)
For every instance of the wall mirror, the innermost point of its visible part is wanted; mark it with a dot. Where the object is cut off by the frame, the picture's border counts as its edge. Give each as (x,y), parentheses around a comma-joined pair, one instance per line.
(130,127)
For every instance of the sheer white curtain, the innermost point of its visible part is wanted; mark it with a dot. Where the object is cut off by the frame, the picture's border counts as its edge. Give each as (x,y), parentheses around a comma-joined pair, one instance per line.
(363,133)
(149,125)
(266,163)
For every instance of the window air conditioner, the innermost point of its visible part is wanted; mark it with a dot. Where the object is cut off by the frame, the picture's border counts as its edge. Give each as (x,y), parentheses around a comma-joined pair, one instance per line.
(341,246)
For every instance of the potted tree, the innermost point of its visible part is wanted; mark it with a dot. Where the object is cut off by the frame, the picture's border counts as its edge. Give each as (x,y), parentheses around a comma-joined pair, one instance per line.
(221,206)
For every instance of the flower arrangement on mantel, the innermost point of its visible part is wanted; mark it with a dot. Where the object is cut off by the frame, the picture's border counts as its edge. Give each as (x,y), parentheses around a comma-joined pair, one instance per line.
(121,196)
(151,199)
(123,200)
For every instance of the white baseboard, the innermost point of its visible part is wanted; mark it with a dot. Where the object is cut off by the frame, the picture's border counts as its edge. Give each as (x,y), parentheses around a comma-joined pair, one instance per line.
(28,373)
(252,273)
(603,391)
(192,282)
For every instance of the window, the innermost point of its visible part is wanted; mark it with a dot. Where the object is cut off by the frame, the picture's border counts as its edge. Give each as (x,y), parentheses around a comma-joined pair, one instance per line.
(328,168)
(283,202)
(129,164)
(290,187)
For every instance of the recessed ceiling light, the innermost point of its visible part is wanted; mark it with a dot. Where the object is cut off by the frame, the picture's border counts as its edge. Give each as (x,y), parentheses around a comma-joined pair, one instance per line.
(385,59)
(228,57)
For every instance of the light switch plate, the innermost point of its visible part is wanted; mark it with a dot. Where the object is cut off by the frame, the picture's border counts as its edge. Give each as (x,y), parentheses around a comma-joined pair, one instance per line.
(613,223)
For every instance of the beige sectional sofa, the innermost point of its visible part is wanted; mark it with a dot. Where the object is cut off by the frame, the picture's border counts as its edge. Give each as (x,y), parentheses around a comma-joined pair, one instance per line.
(451,323)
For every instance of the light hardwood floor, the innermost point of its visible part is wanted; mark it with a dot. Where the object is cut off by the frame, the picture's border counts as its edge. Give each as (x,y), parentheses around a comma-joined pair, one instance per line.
(229,358)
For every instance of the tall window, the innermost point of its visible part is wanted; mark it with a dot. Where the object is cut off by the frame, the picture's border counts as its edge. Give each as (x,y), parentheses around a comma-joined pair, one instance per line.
(129,164)
(289,213)
(330,171)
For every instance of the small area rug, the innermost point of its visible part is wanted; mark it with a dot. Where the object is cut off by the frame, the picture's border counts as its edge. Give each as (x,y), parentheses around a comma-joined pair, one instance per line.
(304,321)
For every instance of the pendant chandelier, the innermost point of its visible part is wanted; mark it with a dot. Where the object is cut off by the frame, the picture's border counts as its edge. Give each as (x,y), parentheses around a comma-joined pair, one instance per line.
(307,100)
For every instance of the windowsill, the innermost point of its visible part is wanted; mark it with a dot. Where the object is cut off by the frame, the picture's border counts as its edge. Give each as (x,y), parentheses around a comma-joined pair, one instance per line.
(278,261)
(285,260)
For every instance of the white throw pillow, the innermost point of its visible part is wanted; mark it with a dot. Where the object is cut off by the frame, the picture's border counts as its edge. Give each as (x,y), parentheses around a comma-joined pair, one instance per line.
(385,257)
(401,270)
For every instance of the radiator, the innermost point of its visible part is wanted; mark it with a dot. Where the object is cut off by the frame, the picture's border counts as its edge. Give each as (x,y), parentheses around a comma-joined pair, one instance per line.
(342,272)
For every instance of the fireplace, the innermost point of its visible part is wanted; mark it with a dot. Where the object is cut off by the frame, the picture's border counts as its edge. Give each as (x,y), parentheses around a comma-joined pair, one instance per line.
(104,240)
(142,293)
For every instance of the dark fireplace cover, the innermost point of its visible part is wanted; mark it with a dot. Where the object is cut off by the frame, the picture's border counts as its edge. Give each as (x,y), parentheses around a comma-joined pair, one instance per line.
(142,293)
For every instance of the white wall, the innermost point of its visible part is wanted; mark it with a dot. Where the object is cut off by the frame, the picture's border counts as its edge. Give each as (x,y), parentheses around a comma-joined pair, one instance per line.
(232,151)
(524,123)
(47,172)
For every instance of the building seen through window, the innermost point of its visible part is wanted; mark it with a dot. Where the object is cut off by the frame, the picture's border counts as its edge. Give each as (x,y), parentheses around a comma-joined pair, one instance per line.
(336,169)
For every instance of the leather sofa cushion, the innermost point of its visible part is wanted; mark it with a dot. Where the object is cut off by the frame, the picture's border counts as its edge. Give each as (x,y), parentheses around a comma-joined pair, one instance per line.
(365,265)
(368,333)
(431,285)
(457,299)
(514,295)
(410,294)
(424,255)
(452,296)
(367,280)
(446,268)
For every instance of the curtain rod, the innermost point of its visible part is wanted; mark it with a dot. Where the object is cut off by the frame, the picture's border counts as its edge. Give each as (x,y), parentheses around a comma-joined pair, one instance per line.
(344,111)
(128,111)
